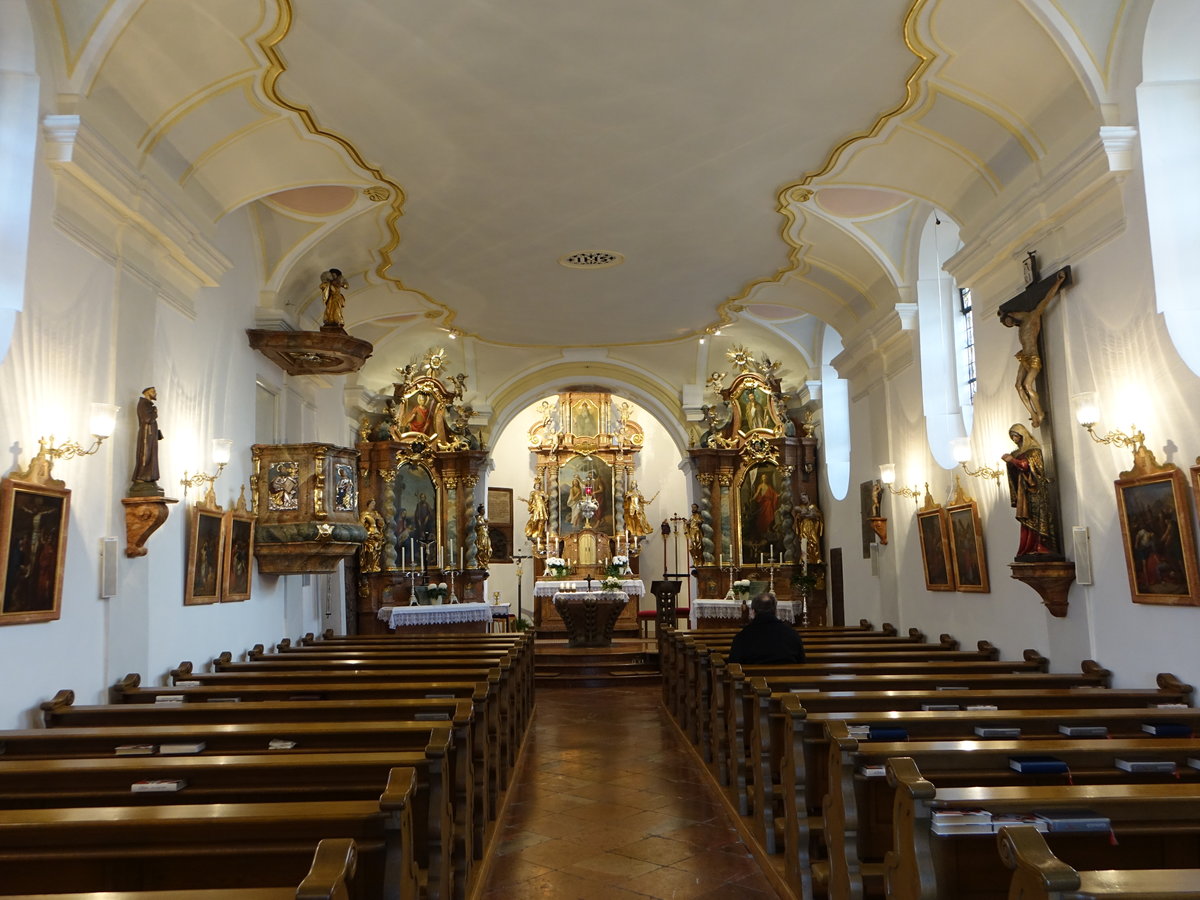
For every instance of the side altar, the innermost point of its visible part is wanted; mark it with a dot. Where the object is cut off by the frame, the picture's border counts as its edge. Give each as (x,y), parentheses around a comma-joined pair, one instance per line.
(420,496)
(757,516)
(587,517)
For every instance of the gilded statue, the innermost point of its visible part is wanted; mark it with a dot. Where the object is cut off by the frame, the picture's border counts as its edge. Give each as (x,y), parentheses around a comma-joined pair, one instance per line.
(372,546)
(483,540)
(1030,493)
(695,536)
(1029,361)
(810,525)
(635,511)
(538,515)
(332,285)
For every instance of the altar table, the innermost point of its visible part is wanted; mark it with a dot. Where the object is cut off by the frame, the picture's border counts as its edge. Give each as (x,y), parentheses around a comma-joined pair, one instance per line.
(728,613)
(548,621)
(590,616)
(446,617)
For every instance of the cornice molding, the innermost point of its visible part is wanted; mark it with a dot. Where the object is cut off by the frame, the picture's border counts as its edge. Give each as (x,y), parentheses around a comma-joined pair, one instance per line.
(80,156)
(880,350)
(1079,201)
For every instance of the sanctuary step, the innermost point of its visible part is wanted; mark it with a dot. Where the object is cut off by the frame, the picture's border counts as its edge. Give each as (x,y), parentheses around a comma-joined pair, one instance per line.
(626,662)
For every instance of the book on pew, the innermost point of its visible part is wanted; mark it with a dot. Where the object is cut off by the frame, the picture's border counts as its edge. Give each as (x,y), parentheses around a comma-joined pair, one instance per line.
(1083,730)
(979,821)
(135,750)
(180,748)
(997,731)
(158,785)
(280,744)
(873,771)
(187,684)
(1001,819)
(939,707)
(169,698)
(1073,819)
(951,687)
(1030,765)
(1145,765)
(1167,729)
(961,816)
(239,699)
(981,706)
(431,717)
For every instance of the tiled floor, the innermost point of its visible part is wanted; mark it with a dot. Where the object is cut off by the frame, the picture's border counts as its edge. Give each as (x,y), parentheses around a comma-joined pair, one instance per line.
(609,805)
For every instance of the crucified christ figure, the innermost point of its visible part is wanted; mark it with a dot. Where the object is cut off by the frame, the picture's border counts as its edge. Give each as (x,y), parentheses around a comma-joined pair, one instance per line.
(1029,362)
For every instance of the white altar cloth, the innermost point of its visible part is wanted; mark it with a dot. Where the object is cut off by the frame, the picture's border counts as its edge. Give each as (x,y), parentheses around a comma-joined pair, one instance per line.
(593,595)
(634,587)
(446,613)
(732,609)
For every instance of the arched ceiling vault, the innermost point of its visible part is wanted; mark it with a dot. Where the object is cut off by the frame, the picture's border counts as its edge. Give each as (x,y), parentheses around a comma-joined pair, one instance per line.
(448,156)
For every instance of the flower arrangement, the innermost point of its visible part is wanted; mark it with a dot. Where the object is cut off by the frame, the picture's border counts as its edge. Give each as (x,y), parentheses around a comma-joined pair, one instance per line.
(805,581)
(617,566)
(611,583)
(742,588)
(556,566)
(437,592)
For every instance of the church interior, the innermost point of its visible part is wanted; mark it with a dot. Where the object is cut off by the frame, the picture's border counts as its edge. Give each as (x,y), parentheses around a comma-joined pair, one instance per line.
(365,320)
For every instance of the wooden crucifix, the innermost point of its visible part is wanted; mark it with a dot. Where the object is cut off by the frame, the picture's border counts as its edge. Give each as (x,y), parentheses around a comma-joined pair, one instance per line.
(1024,312)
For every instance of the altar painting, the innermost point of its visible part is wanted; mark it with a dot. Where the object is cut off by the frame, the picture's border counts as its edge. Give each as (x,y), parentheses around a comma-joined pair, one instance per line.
(755,409)
(415,497)
(574,477)
(760,495)
(585,419)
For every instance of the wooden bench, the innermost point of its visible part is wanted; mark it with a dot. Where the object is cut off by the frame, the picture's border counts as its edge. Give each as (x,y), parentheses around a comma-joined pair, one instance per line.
(187,847)
(858,810)
(1153,826)
(1040,875)
(805,773)
(223,737)
(331,877)
(258,778)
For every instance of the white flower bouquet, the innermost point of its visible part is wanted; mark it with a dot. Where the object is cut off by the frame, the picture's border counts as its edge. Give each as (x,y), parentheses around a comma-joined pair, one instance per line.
(556,566)
(618,566)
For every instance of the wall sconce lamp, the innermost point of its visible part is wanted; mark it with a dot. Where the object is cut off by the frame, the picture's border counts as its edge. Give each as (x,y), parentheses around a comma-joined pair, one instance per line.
(887,474)
(103,422)
(1087,413)
(221,451)
(960,448)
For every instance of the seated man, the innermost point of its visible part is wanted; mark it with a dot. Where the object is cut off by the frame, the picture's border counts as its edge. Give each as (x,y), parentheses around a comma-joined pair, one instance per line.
(766,640)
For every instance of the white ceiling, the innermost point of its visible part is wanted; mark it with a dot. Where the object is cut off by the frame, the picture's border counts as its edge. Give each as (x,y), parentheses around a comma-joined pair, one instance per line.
(446,155)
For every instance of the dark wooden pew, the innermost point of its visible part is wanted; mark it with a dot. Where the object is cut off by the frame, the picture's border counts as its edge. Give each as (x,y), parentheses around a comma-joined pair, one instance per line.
(1153,826)
(858,809)
(1040,875)
(331,877)
(222,737)
(257,778)
(806,750)
(223,846)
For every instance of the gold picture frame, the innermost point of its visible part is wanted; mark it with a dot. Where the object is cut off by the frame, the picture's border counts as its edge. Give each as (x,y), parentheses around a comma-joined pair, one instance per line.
(237,555)
(206,544)
(1156,533)
(935,549)
(33,542)
(966,548)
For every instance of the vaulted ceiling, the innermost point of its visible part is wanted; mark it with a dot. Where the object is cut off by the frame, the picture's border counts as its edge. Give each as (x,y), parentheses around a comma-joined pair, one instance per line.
(572,188)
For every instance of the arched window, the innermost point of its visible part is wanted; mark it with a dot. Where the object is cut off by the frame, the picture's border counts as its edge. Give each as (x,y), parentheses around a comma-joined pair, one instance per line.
(18,144)
(835,414)
(1168,101)
(946,341)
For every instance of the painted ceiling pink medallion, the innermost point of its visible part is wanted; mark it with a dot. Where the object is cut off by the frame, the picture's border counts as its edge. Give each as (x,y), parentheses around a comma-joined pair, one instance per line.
(855,203)
(321,200)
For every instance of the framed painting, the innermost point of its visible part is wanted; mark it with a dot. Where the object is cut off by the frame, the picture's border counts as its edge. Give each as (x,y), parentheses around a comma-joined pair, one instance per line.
(236,555)
(579,478)
(206,542)
(762,530)
(1156,533)
(966,548)
(935,549)
(33,540)
(415,496)
(500,523)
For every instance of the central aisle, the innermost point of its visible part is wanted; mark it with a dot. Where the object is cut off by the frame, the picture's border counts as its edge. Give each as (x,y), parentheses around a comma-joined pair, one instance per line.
(608,805)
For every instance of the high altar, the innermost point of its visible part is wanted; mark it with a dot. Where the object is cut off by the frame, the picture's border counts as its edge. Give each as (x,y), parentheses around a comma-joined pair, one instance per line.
(419,467)
(757,510)
(585,504)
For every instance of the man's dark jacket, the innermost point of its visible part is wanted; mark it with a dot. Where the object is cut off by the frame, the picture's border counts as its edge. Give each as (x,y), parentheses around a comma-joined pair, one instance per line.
(766,641)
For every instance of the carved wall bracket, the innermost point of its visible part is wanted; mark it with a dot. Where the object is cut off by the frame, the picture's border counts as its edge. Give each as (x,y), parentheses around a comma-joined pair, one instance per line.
(1051,580)
(143,517)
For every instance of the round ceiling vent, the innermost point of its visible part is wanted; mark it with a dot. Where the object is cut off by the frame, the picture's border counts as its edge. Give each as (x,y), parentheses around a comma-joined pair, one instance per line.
(591,259)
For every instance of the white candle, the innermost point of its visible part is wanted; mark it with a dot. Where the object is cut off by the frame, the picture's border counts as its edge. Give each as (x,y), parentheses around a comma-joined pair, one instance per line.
(441,558)
(772,553)
(460,557)
(760,558)
(720,559)
(403,558)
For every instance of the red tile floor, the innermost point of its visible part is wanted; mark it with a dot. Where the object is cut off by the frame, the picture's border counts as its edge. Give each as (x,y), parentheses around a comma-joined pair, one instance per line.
(609,804)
